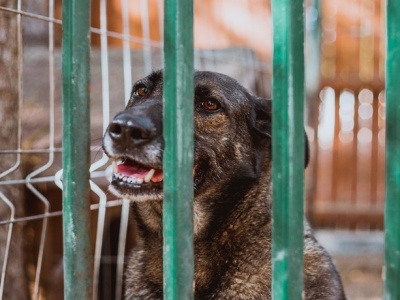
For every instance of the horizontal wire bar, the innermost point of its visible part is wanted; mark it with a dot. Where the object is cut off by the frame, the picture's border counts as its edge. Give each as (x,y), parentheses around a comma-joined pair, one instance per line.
(31,15)
(111,203)
(30,218)
(97,174)
(54,150)
(22,151)
(114,34)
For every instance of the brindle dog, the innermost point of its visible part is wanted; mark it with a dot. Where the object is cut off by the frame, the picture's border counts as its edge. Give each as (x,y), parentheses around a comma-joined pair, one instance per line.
(232,186)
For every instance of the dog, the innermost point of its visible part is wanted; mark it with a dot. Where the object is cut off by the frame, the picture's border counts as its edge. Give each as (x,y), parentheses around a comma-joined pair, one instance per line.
(232,193)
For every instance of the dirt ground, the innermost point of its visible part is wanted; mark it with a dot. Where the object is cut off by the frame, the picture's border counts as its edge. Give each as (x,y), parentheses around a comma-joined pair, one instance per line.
(359,259)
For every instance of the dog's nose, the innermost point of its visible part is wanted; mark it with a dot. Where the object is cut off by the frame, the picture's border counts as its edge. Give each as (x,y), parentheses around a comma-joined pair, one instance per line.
(129,129)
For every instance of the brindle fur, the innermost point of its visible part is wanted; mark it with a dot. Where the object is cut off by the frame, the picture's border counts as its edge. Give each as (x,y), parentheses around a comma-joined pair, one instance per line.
(232,205)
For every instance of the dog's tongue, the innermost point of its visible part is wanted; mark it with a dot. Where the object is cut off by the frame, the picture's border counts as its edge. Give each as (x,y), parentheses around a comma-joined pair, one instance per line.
(133,169)
(158,176)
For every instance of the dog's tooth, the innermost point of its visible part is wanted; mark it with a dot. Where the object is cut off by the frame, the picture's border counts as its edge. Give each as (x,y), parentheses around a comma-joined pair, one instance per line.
(149,175)
(134,179)
(125,179)
(129,179)
(139,180)
(120,161)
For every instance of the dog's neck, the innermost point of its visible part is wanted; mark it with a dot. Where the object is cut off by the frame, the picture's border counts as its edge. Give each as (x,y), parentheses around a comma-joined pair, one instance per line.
(225,223)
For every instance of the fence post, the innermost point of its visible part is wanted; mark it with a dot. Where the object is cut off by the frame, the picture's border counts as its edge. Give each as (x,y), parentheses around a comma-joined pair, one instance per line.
(288,148)
(78,266)
(392,201)
(178,154)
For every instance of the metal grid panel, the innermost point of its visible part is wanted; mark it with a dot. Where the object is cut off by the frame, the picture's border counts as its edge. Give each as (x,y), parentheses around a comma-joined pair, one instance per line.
(37,157)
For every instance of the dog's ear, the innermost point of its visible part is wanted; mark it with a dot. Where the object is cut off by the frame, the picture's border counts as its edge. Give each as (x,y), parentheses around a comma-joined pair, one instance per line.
(261,123)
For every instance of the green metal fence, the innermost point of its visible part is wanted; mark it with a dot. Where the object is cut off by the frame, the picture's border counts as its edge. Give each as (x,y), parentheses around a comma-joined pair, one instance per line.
(78,259)
(392,200)
(178,154)
(288,147)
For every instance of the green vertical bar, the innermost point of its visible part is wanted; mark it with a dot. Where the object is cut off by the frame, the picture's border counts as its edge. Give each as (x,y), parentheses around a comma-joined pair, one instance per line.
(288,148)
(76,156)
(178,155)
(392,204)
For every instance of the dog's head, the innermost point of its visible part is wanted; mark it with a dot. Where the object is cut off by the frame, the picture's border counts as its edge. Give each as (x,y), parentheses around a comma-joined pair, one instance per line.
(232,131)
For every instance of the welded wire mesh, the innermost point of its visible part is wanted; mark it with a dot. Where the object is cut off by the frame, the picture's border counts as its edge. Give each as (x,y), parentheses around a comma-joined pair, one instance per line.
(121,54)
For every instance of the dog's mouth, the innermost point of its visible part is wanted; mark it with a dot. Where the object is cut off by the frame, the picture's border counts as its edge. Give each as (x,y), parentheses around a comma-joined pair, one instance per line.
(135,179)
(129,171)
(139,181)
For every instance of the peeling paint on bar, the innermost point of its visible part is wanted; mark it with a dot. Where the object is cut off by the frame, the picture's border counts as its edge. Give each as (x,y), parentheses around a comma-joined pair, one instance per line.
(78,261)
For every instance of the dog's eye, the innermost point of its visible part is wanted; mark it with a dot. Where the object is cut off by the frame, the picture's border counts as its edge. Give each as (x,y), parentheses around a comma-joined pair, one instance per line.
(141,91)
(210,104)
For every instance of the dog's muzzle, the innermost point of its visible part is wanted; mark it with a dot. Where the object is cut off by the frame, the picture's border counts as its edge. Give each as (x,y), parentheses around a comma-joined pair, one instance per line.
(132,141)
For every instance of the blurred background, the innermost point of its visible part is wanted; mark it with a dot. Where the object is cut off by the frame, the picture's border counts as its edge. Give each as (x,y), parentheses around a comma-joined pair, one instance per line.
(345,124)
